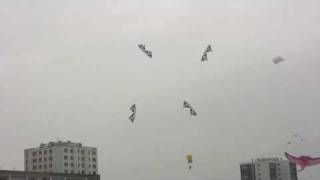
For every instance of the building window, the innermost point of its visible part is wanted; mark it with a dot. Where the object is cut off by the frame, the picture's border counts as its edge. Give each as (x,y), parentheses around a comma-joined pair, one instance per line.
(72,172)
(94,159)
(82,158)
(247,171)
(26,168)
(82,151)
(293,171)
(65,164)
(82,165)
(26,161)
(34,153)
(26,154)
(71,150)
(94,152)
(273,171)
(34,160)
(50,151)
(71,164)
(65,171)
(40,152)
(34,167)
(94,172)
(71,157)
(40,167)
(50,158)
(89,165)
(40,159)
(45,151)
(65,157)
(65,150)
(45,159)
(50,165)
(83,172)
(94,166)
(45,166)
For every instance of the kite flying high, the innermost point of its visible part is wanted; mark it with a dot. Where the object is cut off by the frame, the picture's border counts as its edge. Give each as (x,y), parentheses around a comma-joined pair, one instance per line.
(205,53)
(277,60)
(133,115)
(143,49)
(303,161)
(187,105)
(190,161)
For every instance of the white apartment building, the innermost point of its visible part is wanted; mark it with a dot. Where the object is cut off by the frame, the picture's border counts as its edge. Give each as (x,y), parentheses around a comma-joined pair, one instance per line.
(268,169)
(62,157)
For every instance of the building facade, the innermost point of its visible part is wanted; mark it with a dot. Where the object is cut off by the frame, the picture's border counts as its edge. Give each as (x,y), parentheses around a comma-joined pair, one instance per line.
(62,157)
(23,175)
(268,169)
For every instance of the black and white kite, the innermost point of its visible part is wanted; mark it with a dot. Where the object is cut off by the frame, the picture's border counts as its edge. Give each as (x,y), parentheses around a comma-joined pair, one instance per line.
(205,53)
(187,105)
(133,115)
(144,50)
(277,60)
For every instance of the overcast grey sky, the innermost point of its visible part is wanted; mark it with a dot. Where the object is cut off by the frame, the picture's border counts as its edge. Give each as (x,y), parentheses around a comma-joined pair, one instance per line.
(70,69)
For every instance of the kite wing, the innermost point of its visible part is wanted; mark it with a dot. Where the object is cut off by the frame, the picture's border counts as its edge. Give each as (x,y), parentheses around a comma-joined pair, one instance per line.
(293,159)
(148,53)
(143,49)
(193,112)
(314,161)
(204,57)
(133,108)
(187,105)
(132,117)
(209,49)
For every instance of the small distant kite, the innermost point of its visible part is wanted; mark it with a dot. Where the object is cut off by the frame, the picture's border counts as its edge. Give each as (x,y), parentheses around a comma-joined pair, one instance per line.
(277,60)
(205,53)
(303,161)
(187,105)
(133,115)
(144,50)
(190,161)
